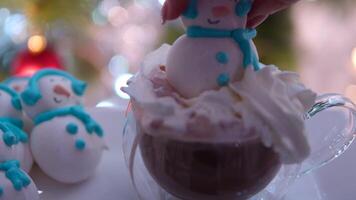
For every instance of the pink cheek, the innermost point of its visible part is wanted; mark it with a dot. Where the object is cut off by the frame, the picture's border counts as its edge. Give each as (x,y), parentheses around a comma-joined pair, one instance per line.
(221,11)
(17,88)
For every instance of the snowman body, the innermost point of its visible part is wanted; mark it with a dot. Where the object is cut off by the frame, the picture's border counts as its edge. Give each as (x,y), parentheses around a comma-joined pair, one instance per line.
(66,142)
(202,61)
(29,192)
(209,61)
(55,149)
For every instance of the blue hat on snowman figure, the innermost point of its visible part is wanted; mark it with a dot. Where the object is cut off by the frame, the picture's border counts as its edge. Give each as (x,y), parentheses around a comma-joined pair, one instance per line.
(51,88)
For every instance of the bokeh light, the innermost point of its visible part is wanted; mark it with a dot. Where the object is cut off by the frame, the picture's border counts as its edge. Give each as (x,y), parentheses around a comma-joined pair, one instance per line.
(117,16)
(353,57)
(120,82)
(105,104)
(4,13)
(350,92)
(28,71)
(118,65)
(15,26)
(37,43)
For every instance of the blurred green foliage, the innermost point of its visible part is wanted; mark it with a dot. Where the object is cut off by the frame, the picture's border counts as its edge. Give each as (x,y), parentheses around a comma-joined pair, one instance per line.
(44,13)
(275,41)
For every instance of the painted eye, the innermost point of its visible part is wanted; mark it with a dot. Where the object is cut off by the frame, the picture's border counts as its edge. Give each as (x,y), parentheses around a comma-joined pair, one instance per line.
(64,79)
(51,80)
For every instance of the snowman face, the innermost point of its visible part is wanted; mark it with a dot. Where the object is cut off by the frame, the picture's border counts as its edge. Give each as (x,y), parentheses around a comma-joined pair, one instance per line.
(7,108)
(56,92)
(18,85)
(219,14)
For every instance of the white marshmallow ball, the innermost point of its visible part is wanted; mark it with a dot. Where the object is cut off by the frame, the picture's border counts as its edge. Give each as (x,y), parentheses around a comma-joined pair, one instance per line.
(59,154)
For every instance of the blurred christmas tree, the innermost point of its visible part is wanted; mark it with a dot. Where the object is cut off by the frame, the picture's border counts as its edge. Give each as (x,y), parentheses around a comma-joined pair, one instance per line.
(64,25)
(46,13)
(274,41)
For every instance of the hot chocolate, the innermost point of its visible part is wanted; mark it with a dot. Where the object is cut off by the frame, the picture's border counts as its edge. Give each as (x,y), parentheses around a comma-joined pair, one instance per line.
(215,123)
(195,170)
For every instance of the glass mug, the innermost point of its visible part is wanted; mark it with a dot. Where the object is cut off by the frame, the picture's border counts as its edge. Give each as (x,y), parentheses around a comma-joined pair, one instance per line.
(167,169)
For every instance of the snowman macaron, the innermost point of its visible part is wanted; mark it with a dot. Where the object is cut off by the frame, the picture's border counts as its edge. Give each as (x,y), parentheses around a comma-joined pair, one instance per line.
(18,84)
(14,143)
(66,142)
(15,184)
(216,48)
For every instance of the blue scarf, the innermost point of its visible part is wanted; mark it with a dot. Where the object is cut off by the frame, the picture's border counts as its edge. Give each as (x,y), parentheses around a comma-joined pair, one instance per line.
(241,36)
(14,121)
(13,172)
(12,131)
(76,111)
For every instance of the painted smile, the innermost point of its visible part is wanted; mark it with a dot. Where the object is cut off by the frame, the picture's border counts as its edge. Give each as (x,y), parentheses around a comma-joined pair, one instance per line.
(57,100)
(210,21)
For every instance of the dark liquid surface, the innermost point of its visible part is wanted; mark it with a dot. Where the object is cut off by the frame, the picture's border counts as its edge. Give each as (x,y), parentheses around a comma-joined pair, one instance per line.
(209,171)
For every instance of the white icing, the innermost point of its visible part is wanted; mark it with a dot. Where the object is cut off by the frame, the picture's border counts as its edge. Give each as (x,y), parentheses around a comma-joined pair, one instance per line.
(280,101)
(9,193)
(273,106)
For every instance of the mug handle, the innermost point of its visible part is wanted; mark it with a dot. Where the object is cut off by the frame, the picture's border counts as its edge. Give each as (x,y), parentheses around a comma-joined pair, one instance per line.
(330,130)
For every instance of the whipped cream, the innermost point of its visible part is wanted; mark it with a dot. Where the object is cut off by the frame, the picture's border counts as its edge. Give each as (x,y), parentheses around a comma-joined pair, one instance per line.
(269,104)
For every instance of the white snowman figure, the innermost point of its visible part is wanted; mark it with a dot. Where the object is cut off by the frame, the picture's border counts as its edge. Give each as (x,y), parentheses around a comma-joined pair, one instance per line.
(66,142)
(19,84)
(14,143)
(15,184)
(216,48)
